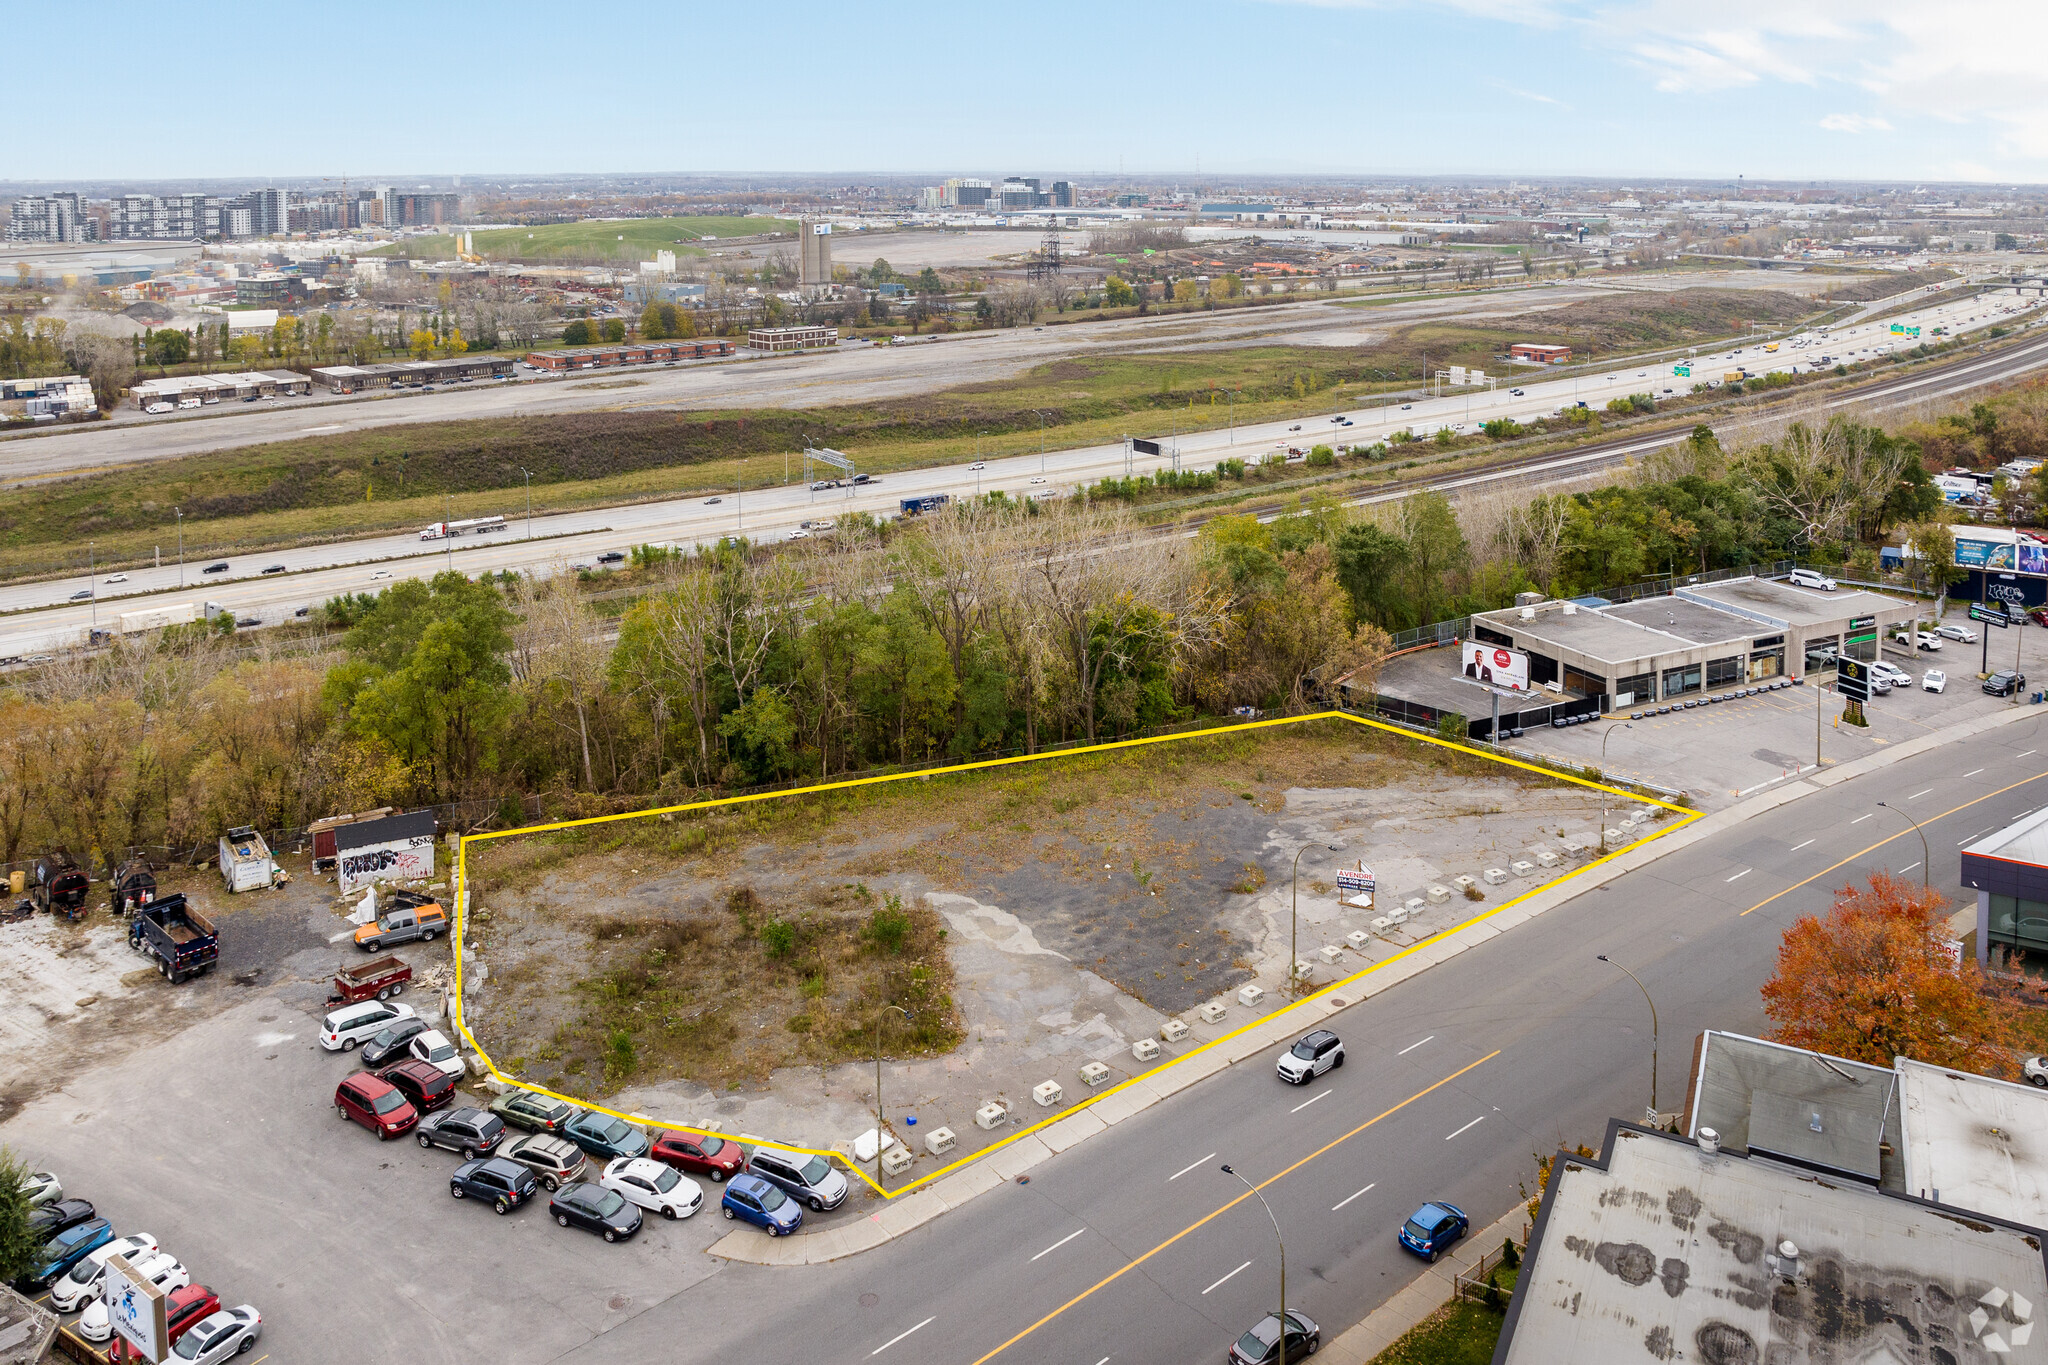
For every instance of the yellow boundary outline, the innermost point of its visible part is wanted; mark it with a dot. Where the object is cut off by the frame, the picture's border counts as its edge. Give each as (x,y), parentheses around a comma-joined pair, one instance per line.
(461,910)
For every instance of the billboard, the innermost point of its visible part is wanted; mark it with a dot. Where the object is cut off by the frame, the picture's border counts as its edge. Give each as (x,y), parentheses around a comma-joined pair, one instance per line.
(1492,664)
(2033,558)
(1975,553)
(135,1307)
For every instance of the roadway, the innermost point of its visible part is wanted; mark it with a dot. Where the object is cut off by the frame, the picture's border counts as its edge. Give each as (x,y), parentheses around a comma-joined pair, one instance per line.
(1133,1247)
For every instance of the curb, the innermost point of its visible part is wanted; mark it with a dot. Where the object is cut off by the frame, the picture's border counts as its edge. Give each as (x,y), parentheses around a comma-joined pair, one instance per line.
(1425,1294)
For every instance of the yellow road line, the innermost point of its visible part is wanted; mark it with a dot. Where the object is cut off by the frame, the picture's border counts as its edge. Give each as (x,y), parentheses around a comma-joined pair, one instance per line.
(1271,1179)
(462,873)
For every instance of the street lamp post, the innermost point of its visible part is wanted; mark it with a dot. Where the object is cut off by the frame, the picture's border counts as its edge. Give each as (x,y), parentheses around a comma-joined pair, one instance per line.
(1653,1031)
(92,585)
(1917,830)
(1603,772)
(529,502)
(1293,924)
(181,545)
(1283,1258)
(879,1143)
(1041,439)
(739,501)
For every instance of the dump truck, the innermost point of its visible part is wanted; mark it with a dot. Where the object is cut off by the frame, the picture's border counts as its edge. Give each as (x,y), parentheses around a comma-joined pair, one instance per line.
(245,861)
(182,940)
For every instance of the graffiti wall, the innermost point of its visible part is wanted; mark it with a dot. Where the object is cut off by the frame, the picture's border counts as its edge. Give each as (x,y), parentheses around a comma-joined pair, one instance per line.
(397,861)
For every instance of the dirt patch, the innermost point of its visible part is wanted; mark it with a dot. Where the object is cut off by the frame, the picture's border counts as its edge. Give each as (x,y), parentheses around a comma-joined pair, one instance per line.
(1632,321)
(1871,287)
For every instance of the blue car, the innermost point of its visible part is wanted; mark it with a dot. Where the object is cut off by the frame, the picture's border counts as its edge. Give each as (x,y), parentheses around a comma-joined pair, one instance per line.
(65,1250)
(605,1137)
(750,1199)
(1430,1231)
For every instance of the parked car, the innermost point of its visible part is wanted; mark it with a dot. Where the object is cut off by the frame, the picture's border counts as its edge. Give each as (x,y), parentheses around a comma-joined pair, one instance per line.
(221,567)
(409,917)
(82,1281)
(1934,680)
(184,1310)
(41,1187)
(534,1113)
(808,1179)
(1309,1058)
(697,1154)
(1261,1345)
(227,1333)
(1890,674)
(1924,640)
(2035,1070)
(502,1184)
(433,1048)
(605,1212)
(160,1269)
(1432,1228)
(375,1103)
(49,1219)
(390,1043)
(425,1086)
(554,1161)
(653,1185)
(471,1132)
(65,1250)
(2005,682)
(1962,635)
(158,409)
(1808,578)
(342,1029)
(605,1137)
(750,1199)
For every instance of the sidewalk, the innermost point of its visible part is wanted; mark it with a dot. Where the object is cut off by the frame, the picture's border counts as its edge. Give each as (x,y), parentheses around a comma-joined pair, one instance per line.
(1425,1294)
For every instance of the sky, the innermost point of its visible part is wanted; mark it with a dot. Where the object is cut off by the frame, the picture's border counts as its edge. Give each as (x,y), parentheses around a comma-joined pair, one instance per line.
(1799,90)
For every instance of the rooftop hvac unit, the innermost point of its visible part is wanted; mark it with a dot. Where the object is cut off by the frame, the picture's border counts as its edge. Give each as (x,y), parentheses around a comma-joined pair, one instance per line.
(1571,609)
(1528,613)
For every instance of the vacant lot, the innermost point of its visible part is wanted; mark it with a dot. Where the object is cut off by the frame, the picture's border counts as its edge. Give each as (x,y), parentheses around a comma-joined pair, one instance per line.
(594,240)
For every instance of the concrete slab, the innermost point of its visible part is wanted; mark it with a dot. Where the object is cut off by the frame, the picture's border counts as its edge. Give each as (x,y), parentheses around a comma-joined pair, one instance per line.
(908,1211)
(1019,1157)
(1117,1107)
(1072,1129)
(961,1186)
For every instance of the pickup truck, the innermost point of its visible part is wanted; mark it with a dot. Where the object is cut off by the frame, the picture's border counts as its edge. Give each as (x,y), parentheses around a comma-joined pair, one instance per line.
(379,980)
(410,916)
(182,940)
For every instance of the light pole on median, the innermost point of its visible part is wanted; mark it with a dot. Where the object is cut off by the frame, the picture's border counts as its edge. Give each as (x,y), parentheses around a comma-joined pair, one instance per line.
(529,502)
(181,545)
(879,1143)
(1283,1257)
(1917,830)
(1293,924)
(1653,1031)
(1603,773)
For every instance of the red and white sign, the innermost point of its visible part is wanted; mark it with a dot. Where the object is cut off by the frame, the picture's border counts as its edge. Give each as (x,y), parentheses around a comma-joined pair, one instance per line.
(1492,664)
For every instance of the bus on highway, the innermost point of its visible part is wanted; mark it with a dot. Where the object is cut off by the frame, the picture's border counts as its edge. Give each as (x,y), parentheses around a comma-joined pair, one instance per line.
(441,530)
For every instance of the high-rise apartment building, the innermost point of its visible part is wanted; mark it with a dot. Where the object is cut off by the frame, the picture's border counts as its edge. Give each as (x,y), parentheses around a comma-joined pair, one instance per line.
(50,218)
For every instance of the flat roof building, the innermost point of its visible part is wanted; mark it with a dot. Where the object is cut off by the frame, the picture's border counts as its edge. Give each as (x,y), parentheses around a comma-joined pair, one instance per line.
(2008,869)
(630,353)
(1827,1114)
(412,373)
(1975,1143)
(791,338)
(1540,353)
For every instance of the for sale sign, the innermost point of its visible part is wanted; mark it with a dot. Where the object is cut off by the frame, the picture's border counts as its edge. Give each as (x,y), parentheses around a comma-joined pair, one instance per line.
(1493,664)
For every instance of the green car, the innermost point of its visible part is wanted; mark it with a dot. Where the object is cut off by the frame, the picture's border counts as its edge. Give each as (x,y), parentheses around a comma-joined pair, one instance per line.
(534,1113)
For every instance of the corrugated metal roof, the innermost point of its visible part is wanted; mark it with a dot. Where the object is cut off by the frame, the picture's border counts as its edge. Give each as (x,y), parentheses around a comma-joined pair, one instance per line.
(367,833)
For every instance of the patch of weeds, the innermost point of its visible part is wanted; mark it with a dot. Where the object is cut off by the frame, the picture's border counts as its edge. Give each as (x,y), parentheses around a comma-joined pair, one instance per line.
(888,925)
(778,938)
(1473,893)
(1254,878)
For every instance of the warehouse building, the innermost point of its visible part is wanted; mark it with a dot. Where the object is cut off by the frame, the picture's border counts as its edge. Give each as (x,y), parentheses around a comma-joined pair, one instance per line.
(791,338)
(1540,354)
(412,374)
(629,353)
(195,390)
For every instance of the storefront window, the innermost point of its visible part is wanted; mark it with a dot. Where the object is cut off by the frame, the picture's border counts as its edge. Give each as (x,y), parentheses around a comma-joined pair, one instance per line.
(1724,672)
(1635,689)
(1768,664)
(2021,924)
(1681,680)
(1822,650)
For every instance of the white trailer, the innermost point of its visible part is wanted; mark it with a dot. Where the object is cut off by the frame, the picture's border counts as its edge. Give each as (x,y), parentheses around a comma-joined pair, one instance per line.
(245,861)
(156,618)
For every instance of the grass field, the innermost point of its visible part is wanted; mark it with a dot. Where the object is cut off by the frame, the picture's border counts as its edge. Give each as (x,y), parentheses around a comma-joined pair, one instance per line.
(595,239)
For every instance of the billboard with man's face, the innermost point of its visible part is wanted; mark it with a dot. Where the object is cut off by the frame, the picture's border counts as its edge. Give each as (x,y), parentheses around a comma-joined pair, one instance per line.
(1496,665)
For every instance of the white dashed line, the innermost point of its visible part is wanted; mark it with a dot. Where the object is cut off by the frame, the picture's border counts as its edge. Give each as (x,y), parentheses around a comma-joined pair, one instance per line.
(1306,1103)
(1973,772)
(1189,1167)
(1473,1124)
(1349,1197)
(1061,1242)
(1861,818)
(1412,1046)
(1740,875)
(1796,847)
(893,1340)
(1226,1277)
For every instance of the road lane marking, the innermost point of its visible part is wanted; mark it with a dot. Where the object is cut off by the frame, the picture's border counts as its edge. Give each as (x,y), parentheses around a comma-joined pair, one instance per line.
(1918,794)
(1909,867)
(1306,1103)
(1796,847)
(1882,842)
(1226,1277)
(1210,1217)
(1861,818)
(1473,1124)
(1973,772)
(1349,1197)
(1189,1167)
(1412,1046)
(893,1340)
(1740,875)
(1061,1242)
(2028,754)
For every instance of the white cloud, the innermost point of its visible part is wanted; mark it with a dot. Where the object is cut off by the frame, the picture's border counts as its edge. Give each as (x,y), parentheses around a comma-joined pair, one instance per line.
(1855,123)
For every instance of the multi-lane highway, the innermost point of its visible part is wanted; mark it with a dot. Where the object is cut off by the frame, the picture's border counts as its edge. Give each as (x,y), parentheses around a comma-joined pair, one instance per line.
(1134,1247)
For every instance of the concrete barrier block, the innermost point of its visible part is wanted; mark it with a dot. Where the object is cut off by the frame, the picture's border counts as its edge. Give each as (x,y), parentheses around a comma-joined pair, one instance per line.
(990,1115)
(1212,1012)
(1464,883)
(1249,995)
(1522,867)
(1173,1030)
(897,1160)
(1330,953)
(1046,1094)
(939,1141)
(1414,905)
(1616,838)
(476,1065)
(1400,915)
(1545,858)
(1146,1050)
(1573,849)
(1304,970)
(1094,1074)
(1358,938)
(1494,876)
(1438,895)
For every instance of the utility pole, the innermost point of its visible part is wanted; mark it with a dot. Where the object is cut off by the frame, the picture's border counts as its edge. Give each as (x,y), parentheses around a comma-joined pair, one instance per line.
(181,546)
(1924,859)
(529,503)
(1294,923)
(1817,691)
(92,585)
(1653,1031)
(879,1142)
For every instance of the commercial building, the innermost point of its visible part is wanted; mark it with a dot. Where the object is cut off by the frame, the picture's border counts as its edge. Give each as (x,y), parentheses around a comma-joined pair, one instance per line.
(1540,353)
(51,218)
(815,246)
(1017,193)
(1062,194)
(1838,1118)
(2008,869)
(397,848)
(633,353)
(968,194)
(1972,1142)
(208,389)
(412,374)
(791,338)
(642,294)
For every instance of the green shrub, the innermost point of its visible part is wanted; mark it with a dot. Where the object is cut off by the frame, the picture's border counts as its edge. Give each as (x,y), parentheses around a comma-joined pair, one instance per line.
(778,937)
(888,925)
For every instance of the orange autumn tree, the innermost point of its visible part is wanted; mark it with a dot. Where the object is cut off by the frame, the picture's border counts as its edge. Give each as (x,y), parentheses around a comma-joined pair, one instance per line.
(1873,980)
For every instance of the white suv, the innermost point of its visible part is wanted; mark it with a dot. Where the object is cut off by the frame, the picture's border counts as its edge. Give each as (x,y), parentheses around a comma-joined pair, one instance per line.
(341,1030)
(1309,1058)
(1808,578)
(1891,673)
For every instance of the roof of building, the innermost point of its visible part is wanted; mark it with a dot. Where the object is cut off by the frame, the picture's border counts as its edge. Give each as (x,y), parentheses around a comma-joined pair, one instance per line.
(1659,1250)
(1767,1098)
(1592,633)
(1974,1142)
(1770,602)
(365,833)
(1692,622)
(2025,840)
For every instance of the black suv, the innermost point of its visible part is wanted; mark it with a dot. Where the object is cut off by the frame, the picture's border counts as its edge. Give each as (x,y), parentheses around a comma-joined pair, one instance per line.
(2005,682)
(504,1184)
(390,1045)
(471,1132)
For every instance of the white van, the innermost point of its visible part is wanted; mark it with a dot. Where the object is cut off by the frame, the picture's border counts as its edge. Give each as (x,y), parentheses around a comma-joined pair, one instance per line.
(342,1029)
(188,402)
(1807,578)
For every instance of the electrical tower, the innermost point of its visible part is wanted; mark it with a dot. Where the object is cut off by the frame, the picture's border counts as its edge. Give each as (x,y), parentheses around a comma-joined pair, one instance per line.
(1046,262)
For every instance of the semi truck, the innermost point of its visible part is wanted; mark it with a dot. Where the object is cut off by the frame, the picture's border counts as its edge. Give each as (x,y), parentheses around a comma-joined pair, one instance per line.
(930,502)
(480,526)
(181,940)
(156,618)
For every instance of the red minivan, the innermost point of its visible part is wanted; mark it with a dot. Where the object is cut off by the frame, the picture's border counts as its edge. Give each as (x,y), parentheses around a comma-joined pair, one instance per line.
(695,1154)
(375,1103)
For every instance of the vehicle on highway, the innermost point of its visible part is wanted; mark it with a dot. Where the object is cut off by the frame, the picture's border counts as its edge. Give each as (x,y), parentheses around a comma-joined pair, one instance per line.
(390,1043)
(606,1212)
(502,1184)
(342,1029)
(2035,1070)
(1310,1057)
(612,557)
(713,502)
(1962,635)
(221,567)
(425,1086)
(117,578)
(433,1048)
(227,1333)
(375,1103)
(54,1259)
(806,1178)
(653,1185)
(1432,1228)
(81,595)
(750,1199)
(554,1161)
(534,1113)
(410,916)
(1261,1345)
(183,1311)
(1808,578)
(1406,406)
(1934,680)
(1516,393)
(2005,682)
(818,487)
(160,1269)
(1039,479)
(472,1132)
(52,1218)
(1295,427)
(274,568)
(381,573)
(82,1281)
(699,1154)
(978,464)
(605,1137)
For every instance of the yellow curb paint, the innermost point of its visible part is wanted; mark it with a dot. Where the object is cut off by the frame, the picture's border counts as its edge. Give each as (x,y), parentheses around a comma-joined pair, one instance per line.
(462,875)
